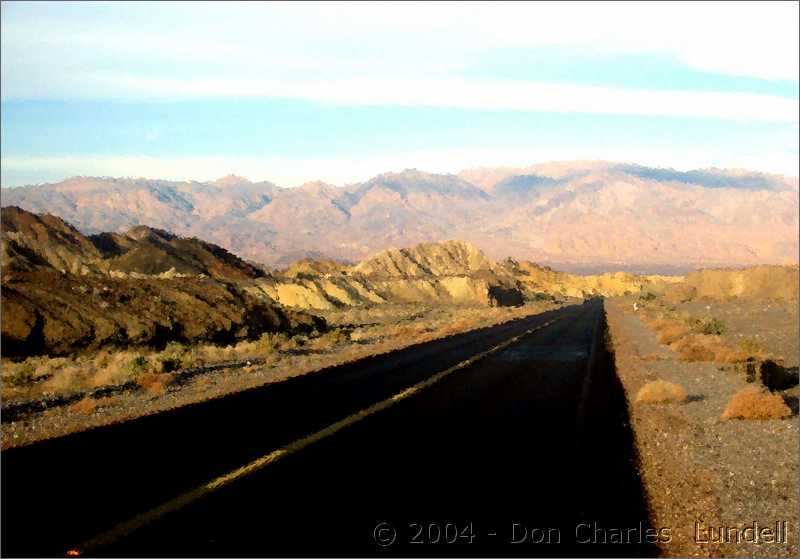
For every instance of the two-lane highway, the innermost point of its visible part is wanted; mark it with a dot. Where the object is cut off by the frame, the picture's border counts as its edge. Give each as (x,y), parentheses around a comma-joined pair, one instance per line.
(465,446)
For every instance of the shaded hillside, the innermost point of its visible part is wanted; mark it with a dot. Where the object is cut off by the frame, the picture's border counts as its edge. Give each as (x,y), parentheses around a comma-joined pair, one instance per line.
(63,292)
(153,251)
(573,215)
(46,312)
(31,241)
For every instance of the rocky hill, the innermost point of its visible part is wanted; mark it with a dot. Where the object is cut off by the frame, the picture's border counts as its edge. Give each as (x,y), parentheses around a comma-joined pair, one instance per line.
(449,258)
(574,216)
(758,282)
(31,241)
(451,272)
(63,292)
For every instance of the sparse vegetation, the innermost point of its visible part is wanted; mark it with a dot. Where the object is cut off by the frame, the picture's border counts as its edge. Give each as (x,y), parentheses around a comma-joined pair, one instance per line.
(695,339)
(753,348)
(154,383)
(710,326)
(89,405)
(21,375)
(660,392)
(755,403)
(355,332)
(670,333)
(137,365)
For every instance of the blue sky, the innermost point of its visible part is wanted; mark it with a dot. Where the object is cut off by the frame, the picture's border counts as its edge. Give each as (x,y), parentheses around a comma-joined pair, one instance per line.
(339,92)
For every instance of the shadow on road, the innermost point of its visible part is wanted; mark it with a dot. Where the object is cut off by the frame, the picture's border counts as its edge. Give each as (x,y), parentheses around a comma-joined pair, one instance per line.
(489,462)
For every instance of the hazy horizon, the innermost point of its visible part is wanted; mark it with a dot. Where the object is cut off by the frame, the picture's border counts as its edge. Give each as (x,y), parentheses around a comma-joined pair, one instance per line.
(454,171)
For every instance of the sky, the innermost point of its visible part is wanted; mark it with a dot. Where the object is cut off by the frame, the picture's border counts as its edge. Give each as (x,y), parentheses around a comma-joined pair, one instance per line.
(340,92)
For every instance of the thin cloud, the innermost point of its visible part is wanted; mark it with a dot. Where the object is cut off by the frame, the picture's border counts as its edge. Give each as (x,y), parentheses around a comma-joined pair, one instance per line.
(756,39)
(475,94)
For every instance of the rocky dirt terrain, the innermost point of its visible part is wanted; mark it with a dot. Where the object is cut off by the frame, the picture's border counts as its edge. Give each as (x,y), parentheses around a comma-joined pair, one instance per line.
(702,469)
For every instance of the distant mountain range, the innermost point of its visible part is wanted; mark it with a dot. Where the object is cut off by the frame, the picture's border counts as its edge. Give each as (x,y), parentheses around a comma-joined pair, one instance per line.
(579,216)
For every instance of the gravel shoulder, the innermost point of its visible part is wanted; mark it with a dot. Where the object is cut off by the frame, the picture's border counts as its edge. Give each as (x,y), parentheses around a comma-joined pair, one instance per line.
(701,471)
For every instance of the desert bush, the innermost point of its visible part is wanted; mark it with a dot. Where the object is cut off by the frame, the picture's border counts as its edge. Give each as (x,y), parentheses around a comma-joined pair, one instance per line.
(691,348)
(154,383)
(332,338)
(271,342)
(710,326)
(21,374)
(137,365)
(167,364)
(753,348)
(755,403)
(647,296)
(672,333)
(727,354)
(68,377)
(295,342)
(705,347)
(88,405)
(659,392)
(115,368)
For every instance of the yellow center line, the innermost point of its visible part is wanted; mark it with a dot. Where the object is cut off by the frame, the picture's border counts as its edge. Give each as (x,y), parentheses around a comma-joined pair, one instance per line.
(127,527)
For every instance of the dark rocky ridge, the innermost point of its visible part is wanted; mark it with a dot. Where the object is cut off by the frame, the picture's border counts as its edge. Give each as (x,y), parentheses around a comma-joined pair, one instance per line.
(63,292)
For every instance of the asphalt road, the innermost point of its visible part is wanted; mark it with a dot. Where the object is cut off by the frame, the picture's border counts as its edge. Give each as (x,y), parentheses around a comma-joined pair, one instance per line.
(510,455)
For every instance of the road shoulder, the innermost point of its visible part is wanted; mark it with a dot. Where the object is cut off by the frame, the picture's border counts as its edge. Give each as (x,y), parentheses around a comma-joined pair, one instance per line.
(699,470)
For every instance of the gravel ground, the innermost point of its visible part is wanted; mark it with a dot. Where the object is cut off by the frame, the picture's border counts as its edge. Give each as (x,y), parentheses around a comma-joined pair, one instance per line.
(700,470)
(772,324)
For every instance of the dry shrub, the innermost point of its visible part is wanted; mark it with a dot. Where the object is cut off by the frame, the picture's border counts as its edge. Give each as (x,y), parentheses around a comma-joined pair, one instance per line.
(669,331)
(212,353)
(705,347)
(330,339)
(154,383)
(88,405)
(660,391)
(726,354)
(203,382)
(651,357)
(67,378)
(655,323)
(693,347)
(117,368)
(753,348)
(708,325)
(672,332)
(755,403)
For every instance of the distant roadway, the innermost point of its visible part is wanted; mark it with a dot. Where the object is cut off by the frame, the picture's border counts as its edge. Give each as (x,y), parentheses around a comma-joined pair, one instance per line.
(510,440)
